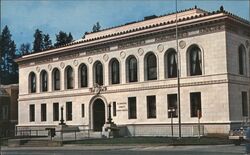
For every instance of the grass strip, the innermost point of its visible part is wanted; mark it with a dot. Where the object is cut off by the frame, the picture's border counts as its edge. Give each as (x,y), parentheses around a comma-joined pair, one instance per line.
(155,140)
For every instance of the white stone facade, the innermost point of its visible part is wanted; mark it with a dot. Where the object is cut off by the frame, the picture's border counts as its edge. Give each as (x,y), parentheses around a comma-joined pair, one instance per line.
(220,84)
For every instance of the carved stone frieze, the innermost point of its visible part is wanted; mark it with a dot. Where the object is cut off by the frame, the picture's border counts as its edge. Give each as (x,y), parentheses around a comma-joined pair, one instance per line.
(160,38)
(69,56)
(131,44)
(98,50)
(97,89)
(43,61)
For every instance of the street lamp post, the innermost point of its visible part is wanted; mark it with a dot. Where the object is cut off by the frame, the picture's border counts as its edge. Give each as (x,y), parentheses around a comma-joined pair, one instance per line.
(178,72)
(62,120)
(109,114)
(171,111)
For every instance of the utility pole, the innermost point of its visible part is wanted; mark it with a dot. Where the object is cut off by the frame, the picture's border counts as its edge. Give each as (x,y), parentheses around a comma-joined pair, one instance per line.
(178,71)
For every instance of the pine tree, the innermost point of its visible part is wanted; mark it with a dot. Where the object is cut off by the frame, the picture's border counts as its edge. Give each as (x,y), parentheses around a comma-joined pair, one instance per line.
(63,38)
(47,41)
(38,44)
(24,49)
(96,27)
(8,67)
(69,38)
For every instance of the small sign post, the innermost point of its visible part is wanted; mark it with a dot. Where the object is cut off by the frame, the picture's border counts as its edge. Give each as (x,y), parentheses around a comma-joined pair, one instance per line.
(171,111)
(199,117)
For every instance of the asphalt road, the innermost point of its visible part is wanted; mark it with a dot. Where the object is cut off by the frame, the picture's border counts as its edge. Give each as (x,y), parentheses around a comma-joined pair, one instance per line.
(125,150)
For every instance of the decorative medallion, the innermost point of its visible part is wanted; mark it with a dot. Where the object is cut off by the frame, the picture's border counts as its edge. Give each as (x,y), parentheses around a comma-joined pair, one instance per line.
(105,57)
(75,62)
(247,43)
(62,64)
(49,67)
(90,60)
(160,48)
(140,51)
(38,69)
(182,44)
(122,54)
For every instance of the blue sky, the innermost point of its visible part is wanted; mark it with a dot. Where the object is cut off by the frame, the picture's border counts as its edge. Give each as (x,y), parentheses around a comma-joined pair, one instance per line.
(78,16)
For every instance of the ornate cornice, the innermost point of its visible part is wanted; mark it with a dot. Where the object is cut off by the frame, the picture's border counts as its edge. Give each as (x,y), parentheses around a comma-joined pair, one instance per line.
(234,27)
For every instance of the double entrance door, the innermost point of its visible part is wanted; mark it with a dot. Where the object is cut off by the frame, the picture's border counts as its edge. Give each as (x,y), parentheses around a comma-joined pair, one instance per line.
(98,115)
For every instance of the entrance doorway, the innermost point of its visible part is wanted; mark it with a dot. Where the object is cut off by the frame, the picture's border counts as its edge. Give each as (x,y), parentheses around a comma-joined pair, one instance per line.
(98,115)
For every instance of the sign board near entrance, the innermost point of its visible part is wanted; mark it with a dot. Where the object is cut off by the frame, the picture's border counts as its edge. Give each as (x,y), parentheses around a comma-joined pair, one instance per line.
(122,106)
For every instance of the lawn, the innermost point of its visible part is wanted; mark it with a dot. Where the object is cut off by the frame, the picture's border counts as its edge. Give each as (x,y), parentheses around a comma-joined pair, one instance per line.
(155,141)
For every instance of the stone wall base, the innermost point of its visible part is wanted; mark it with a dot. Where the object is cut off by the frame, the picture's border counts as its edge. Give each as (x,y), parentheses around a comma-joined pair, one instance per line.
(165,130)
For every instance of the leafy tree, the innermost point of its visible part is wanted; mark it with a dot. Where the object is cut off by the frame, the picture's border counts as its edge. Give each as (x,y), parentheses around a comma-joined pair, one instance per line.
(47,41)
(24,49)
(38,44)
(63,38)
(8,67)
(96,27)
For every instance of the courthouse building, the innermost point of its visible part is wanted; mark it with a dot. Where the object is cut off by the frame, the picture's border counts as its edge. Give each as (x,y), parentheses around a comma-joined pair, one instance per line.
(133,67)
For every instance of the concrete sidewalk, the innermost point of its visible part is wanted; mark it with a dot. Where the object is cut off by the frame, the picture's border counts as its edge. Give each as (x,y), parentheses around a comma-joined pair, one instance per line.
(127,147)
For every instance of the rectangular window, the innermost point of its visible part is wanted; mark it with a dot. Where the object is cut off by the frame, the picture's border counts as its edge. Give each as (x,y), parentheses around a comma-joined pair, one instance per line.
(5,112)
(114,108)
(68,111)
(55,111)
(195,103)
(151,106)
(32,113)
(132,107)
(172,105)
(244,104)
(83,110)
(43,112)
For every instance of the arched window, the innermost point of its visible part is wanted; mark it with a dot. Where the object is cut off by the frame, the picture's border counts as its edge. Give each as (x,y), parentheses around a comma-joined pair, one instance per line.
(195,61)
(131,65)
(115,71)
(83,72)
(69,78)
(56,79)
(151,66)
(171,63)
(32,82)
(242,60)
(44,81)
(98,73)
